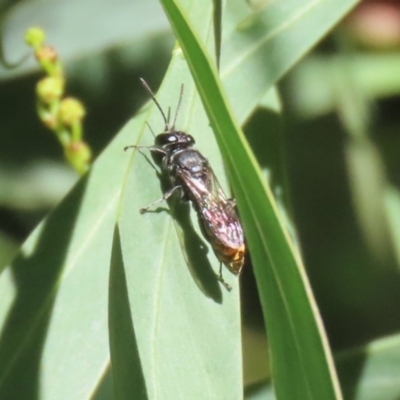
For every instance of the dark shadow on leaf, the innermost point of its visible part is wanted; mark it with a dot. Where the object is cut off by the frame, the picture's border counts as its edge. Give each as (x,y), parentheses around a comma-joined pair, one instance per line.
(217,22)
(158,210)
(193,246)
(36,278)
(262,389)
(195,252)
(127,370)
(105,388)
(194,249)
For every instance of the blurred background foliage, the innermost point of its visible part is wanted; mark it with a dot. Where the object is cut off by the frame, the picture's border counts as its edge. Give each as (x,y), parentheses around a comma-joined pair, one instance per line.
(340,138)
(104,59)
(337,128)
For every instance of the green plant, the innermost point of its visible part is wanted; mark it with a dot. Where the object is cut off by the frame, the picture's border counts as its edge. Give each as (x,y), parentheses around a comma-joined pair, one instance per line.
(171,328)
(62,115)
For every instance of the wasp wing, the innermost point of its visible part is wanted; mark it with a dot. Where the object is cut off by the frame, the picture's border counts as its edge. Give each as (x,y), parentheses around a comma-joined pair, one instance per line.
(216,212)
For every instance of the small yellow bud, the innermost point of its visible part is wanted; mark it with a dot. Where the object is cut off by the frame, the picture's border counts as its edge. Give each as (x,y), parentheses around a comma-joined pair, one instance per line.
(71,111)
(78,154)
(34,36)
(49,89)
(46,54)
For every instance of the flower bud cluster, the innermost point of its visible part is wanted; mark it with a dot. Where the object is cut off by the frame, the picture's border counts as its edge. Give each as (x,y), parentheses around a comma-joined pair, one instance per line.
(63,115)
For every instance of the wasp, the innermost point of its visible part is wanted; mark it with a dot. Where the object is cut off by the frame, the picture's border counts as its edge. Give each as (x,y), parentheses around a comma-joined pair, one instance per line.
(190,174)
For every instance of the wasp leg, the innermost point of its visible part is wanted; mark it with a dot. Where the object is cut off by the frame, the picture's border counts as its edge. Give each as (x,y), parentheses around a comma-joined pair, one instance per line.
(226,285)
(151,148)
(166,196)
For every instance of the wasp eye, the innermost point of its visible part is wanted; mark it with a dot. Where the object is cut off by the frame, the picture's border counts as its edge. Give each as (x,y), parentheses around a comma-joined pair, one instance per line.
(166,138)
(172,139)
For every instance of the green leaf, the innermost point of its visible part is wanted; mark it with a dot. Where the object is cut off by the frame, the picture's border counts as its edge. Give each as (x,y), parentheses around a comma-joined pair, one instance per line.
(298,344)
(8,250)
(65,24)
(54,297)
(53,311)
(124,352)
(267,43)
(374,74)
(186,325)
(369,372)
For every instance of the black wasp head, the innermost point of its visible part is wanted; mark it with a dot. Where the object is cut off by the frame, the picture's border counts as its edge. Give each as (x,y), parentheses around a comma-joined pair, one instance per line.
(174,139)
(170,142)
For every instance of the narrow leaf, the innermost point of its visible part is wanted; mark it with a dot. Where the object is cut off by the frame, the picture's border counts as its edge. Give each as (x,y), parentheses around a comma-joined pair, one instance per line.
(298,344)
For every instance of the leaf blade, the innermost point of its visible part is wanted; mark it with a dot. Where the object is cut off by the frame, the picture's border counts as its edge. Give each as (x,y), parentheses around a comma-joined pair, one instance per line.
(274,259)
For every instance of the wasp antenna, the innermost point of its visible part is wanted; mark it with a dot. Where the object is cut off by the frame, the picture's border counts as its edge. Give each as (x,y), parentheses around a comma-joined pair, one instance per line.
(147,87)
(169,115)
(177,108)
(151,130)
